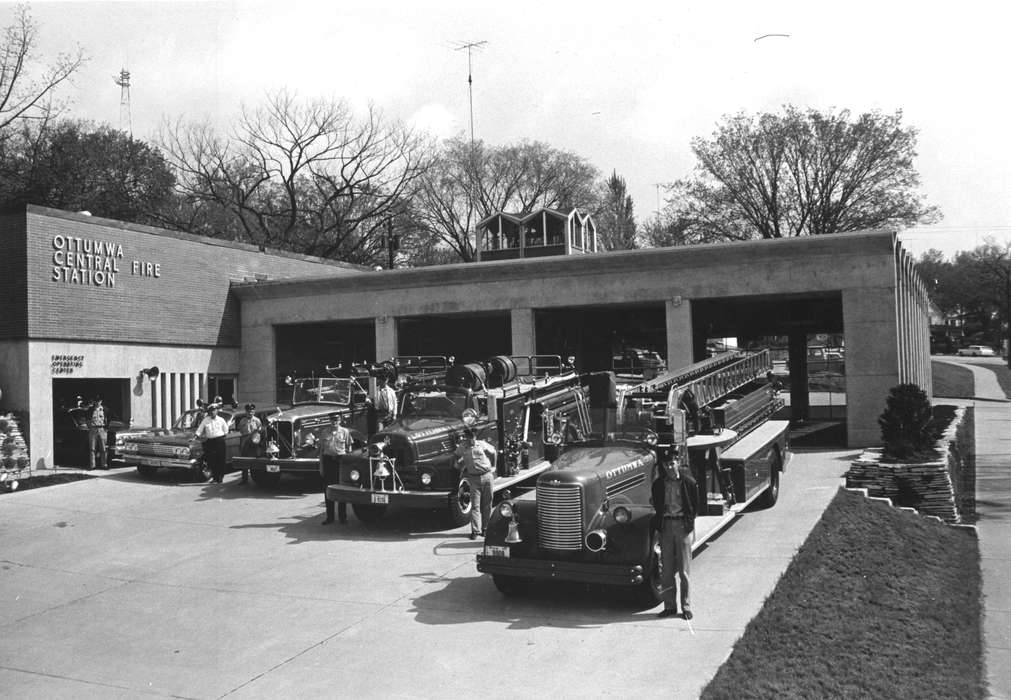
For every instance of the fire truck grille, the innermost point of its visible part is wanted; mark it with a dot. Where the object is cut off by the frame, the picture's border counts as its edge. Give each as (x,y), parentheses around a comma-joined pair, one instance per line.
(560,516)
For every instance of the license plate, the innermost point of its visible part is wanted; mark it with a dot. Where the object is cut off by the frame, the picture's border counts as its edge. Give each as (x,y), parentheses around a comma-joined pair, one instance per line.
(493,551)
(273,468)
(381,498)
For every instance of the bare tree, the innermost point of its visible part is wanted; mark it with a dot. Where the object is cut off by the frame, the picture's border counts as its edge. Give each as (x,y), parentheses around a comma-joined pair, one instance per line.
(26,93)
(800,173)
(471,181)
(307,176)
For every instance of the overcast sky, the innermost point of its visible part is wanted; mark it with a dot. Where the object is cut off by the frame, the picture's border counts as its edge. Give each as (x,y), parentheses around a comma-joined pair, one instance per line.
(625,85)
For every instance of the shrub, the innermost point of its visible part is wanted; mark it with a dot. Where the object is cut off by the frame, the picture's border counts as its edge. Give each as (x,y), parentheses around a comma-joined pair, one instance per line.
(906,422)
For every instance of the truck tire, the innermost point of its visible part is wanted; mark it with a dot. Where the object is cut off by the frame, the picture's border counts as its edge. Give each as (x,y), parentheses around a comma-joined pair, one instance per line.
(268,480)
(460,504)
(510,585)
(368,512)
(771,494)
(201,472)
(147,471)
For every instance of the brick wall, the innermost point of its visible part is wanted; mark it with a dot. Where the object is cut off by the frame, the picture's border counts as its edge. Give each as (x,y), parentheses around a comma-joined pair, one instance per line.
(148,285)
(13,294)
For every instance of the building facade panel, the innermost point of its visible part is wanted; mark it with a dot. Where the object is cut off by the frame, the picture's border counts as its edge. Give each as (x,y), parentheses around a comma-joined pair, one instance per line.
(13,282)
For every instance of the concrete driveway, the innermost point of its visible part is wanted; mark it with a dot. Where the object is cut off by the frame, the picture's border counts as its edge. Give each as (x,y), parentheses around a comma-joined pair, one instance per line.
(119,587)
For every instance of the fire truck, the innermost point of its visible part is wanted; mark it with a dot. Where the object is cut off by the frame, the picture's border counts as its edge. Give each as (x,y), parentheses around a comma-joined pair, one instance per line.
(590,518)
(508,401)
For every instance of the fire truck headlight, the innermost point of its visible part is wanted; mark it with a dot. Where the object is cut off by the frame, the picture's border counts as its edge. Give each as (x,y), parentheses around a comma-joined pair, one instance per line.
(376,448)
(426,478)
(622,514)
(505,509)
(355,475)
(651,437)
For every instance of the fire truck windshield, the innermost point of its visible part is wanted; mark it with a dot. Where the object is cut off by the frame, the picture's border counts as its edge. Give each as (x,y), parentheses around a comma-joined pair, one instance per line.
(323,390)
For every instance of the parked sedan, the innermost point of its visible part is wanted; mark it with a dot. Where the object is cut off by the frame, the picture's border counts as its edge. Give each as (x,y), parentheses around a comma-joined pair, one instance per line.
(977,351)
(176,447)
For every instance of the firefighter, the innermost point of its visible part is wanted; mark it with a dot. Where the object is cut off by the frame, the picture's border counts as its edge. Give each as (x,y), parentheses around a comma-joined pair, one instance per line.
(249,428)
(211,432)
(478,458)
(334,447)
(676,503)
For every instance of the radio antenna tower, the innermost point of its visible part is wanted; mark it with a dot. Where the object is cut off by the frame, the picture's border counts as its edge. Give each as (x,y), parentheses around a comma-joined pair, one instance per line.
(123,80)
(470,46)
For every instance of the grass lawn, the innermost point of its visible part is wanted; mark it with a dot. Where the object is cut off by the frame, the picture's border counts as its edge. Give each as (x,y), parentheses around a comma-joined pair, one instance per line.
(952,381)
(1003,377)
(878,603)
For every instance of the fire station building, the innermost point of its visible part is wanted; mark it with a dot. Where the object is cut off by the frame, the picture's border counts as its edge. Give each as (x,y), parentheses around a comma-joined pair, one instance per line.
(90,305)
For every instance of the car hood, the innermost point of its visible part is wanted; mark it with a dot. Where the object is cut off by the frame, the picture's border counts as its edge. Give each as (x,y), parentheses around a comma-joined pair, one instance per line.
(164,437)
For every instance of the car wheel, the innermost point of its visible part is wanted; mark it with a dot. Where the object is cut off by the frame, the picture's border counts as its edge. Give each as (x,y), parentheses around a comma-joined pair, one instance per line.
(147,471)
(771,494)
(265,479)
(201,472)
(510,585)
(368,512)
(460,504)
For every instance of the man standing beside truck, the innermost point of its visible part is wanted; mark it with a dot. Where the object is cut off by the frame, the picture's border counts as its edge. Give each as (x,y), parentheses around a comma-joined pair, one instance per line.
(478,457)
(676,502)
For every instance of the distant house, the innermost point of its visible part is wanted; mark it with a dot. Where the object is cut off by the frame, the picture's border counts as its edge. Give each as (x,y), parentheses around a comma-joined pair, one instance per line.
(545,232)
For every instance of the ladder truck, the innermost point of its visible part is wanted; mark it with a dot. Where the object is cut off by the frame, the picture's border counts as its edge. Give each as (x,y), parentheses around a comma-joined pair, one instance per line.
(590,517)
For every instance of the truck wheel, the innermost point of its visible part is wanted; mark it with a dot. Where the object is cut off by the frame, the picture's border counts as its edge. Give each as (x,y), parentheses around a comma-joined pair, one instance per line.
(771,494)
(268,480)
(147,471)
(201,472)
(460,504)
(510,585)
(367,512)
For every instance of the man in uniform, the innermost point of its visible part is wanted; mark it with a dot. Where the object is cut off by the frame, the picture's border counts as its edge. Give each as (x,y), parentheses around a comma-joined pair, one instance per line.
(96,434)
(332,450)
(212,431)
(249,428)
(386,402)
(478,458)
(676,502)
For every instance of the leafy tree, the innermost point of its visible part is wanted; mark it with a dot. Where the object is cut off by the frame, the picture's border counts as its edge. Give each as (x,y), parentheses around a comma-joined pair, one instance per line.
(76,165)
(616,216)
(800,173)
(975,287)
(470,181)
(306,176)
(27,92)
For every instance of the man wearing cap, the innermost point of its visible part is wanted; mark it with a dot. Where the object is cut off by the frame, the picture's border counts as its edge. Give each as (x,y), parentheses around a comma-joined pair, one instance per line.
(250,427)
(386,402)
(478,467)
(676,502)
(212,431)
(333,449)
(96,434)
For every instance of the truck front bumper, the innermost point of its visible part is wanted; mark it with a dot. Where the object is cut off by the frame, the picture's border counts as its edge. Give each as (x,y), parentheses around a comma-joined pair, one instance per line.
(549,570)
(290,466)
(409,499)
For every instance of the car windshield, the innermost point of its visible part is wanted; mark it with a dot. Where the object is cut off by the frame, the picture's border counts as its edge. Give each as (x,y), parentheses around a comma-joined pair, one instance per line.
(435,404)
(190,420)
(324,390)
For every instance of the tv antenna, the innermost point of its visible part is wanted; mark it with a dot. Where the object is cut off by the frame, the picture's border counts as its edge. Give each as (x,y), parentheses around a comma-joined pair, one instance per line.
(471,46)
(123,80)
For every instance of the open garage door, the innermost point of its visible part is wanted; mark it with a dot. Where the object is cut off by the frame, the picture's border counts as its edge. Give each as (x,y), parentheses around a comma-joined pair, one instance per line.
(467,337)
(595,335)
(307,349)
(71,399)
(805,334)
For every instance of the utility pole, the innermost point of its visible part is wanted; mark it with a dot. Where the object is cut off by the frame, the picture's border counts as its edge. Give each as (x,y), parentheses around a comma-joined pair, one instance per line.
(470,46)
